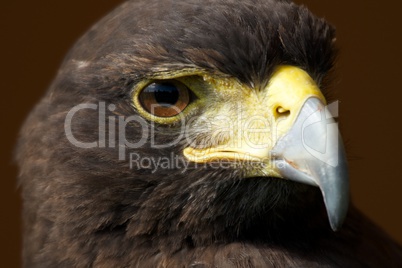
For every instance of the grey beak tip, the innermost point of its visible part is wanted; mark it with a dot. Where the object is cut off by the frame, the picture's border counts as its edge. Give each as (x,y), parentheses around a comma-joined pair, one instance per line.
(338,209)
(336,227)
(335,223)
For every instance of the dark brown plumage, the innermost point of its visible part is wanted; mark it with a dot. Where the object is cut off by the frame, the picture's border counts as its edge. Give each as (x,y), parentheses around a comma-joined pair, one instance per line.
(85,207)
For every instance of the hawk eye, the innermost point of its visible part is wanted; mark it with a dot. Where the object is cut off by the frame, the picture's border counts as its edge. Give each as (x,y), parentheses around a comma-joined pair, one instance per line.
(165,98)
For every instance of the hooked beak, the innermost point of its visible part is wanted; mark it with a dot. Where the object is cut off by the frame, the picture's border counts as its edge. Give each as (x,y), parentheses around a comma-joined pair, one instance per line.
(312,152)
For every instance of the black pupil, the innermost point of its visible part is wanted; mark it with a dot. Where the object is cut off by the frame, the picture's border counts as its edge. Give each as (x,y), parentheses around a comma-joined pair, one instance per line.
(165,94)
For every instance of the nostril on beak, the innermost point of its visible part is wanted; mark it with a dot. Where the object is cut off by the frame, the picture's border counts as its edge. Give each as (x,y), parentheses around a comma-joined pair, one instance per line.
(282,112)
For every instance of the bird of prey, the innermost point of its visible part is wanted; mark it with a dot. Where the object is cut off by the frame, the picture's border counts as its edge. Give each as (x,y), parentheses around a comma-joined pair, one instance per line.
(194,134)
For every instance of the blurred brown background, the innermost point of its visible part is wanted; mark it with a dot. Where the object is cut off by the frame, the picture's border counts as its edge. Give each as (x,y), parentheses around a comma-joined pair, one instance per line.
(35,35)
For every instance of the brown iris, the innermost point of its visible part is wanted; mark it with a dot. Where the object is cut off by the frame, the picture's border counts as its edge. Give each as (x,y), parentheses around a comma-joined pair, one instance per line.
(165,98)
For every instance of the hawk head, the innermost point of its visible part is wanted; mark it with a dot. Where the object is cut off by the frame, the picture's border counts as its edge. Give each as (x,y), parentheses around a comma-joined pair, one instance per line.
(179,123)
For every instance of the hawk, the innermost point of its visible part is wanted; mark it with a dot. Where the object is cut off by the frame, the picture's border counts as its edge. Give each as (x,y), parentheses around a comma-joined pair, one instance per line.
(194,134)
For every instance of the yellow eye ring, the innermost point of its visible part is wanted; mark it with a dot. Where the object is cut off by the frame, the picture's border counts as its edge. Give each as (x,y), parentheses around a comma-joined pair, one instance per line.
(165,101)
